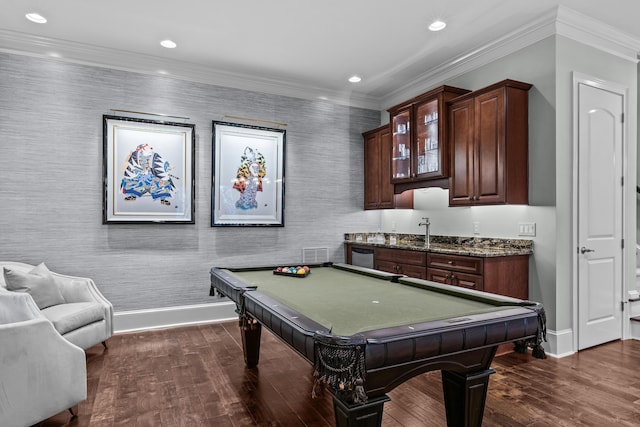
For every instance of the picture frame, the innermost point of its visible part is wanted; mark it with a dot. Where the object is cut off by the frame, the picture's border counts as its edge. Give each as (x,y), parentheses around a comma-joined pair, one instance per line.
(148,171)
(248,175)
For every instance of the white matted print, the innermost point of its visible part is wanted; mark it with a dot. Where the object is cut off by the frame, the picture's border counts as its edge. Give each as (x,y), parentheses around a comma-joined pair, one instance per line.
(248,175)
(148,171)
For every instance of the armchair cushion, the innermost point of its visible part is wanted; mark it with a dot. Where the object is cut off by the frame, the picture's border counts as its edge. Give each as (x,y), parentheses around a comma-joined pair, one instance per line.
(38,282)
(71,316)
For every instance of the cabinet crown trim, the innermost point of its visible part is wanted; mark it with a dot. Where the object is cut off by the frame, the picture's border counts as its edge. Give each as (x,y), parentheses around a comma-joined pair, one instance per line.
(504,83)
(427,95)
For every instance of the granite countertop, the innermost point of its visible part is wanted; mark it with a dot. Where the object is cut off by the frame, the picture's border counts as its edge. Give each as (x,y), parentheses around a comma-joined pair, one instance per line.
(453,245)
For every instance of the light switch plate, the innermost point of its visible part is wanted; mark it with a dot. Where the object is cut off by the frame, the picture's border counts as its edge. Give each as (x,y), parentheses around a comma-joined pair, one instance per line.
(527,229)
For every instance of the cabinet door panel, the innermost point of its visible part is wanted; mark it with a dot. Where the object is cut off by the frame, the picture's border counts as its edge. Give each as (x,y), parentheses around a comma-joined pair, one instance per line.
(490,147)
(461,188)
(430,150)
(413,271)
(384,173)
(439,276)
(455,278)
(378,189)
(468,281)
(401,168)
(388,266)
(371,167)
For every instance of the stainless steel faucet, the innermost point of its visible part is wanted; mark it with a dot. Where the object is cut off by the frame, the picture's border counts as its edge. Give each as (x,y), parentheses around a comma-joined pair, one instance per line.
(427,234)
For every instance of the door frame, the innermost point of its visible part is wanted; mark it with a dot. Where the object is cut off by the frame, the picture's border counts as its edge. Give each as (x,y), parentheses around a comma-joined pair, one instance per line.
(580,78)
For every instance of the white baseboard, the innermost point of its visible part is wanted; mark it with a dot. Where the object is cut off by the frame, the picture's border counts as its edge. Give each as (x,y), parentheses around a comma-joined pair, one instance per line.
(135,320)
(634,329)
(559,343)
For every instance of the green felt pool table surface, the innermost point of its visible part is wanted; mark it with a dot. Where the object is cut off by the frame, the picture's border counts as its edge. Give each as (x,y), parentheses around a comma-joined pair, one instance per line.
(348,303)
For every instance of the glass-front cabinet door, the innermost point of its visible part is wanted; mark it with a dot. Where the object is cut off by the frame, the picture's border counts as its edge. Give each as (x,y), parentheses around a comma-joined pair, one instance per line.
(430,159)
(401,146)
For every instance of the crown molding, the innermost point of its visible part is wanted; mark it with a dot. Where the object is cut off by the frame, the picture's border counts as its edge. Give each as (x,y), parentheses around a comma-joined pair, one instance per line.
(590,31)
(558,21)
(84,54)
(561,20)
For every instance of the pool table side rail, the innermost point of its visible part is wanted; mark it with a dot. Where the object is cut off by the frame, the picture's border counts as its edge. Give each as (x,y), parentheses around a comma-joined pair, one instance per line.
(229,286)
(292,327)
(289,325)
(473,294)
(383,275)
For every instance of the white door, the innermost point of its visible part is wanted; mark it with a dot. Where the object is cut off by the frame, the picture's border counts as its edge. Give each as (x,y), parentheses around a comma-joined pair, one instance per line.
(600,202)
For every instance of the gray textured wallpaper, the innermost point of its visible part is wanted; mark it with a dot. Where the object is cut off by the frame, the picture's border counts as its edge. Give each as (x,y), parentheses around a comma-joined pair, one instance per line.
(51,180)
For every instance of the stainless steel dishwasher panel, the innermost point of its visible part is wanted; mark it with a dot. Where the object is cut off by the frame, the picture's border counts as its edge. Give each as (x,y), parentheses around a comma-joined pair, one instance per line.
(362,257)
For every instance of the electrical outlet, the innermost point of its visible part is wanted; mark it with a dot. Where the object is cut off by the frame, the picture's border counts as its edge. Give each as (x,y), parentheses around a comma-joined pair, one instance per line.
(476,227)
(527,229)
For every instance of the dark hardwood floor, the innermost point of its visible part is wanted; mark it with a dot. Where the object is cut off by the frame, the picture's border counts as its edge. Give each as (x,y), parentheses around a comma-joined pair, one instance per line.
(195,376)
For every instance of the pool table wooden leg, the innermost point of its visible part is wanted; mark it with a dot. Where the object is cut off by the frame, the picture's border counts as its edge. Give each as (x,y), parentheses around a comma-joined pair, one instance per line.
(360,414)
(251,331)
(465,396)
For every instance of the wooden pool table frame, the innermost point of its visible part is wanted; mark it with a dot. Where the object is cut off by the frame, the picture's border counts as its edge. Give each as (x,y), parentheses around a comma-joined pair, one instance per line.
(461,348)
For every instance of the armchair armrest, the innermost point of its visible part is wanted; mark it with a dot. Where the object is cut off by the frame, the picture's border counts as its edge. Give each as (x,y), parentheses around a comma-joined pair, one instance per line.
(83,289)
(17,307)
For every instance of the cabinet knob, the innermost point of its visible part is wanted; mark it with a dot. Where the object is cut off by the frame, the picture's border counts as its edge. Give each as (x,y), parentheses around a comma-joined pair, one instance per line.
(450,262)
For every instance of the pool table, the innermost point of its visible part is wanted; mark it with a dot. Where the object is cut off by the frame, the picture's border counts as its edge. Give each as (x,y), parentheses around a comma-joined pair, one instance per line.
(367,331)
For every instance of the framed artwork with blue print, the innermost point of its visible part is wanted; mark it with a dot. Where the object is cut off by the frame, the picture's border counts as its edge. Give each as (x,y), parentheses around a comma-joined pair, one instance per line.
(148,171)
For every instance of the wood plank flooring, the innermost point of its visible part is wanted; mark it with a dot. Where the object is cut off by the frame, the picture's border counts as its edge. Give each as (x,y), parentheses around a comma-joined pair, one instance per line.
(195,376)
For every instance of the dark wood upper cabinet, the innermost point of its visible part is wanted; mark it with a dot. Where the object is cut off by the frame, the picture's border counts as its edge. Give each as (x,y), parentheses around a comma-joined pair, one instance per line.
(419,151)
(378,189)
(489,144)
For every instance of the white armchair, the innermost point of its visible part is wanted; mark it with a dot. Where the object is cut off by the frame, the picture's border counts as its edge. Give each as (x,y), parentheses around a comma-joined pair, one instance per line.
(74,305)
(41,373)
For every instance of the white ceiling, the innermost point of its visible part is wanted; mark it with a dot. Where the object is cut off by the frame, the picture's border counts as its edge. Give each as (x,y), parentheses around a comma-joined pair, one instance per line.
(292,47)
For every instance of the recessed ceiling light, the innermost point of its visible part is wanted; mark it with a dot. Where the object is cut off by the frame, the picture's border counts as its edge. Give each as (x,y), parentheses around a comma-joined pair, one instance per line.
(36,17)
(437,25)
(169,44)
(355,79)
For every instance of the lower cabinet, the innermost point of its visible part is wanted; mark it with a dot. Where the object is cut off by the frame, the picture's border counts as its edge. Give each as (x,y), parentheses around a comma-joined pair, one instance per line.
(401,261)
(503,275)
(456,270)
